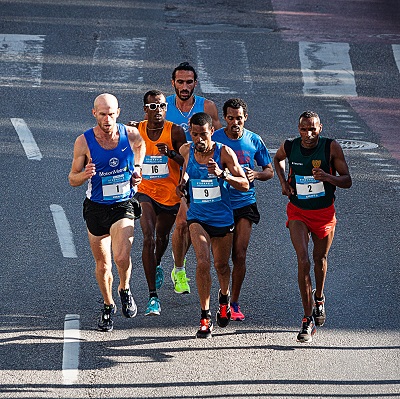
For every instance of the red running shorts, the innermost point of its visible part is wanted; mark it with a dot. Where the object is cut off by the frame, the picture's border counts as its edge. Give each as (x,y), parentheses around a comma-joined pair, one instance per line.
(318,221)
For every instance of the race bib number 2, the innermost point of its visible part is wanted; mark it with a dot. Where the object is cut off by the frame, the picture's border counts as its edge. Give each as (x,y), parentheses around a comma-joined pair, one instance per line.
(206,190)
(307,187)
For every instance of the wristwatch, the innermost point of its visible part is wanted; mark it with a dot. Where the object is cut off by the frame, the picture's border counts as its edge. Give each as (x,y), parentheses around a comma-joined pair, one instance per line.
(172,154)
(223,175)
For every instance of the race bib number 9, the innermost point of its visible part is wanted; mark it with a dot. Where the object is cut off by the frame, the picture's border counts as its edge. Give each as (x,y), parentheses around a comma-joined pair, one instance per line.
(155,167)
(116,187)
(307,187)
(206,190)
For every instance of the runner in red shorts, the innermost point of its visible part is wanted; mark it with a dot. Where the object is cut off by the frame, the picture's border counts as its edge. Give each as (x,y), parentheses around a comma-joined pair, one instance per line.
(316,167)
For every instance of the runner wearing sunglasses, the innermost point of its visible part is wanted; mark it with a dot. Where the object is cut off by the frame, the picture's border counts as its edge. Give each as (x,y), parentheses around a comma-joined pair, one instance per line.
(157,191)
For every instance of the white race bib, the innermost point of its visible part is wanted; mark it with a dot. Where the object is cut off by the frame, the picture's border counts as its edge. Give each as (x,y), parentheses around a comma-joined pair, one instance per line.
(307,187)
(155,167)
(206,190)
(116,187)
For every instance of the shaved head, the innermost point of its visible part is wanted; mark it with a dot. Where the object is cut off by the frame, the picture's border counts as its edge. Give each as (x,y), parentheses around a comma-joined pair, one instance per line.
(105,99)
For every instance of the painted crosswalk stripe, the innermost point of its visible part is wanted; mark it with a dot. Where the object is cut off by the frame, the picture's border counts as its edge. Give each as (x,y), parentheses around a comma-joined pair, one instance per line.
(118,62)
(72,336)
(396,53)
(222,80)
(21,60)
(327,69)
(31,149)
(63,231)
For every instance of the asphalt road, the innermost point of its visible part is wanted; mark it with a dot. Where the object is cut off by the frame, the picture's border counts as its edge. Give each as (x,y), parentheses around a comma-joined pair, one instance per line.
(55,57)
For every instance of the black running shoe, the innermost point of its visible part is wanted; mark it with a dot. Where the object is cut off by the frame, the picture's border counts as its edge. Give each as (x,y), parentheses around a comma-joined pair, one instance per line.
(106,323)
(319,310)
(307,330)
(129,308)
(205,330)
(223,313)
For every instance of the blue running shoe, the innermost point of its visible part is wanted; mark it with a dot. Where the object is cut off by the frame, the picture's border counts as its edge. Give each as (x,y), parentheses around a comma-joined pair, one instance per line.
(159,277)
(153,307)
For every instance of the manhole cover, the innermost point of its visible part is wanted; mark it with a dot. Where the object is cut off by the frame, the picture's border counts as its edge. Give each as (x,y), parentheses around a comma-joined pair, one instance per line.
(346,145)
(356,144)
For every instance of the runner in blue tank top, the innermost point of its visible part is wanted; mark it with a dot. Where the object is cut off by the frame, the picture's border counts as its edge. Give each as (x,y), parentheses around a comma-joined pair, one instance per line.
(109,157)
(248,147)
(210,217)
(181,106)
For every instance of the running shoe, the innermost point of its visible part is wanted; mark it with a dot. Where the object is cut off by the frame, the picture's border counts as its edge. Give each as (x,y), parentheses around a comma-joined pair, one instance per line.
(153,307)
(129,308)
(205,330)
(181,285)
(223,313)
(159,277)
(308,329)
(106,322)
(319,310)
(236,313)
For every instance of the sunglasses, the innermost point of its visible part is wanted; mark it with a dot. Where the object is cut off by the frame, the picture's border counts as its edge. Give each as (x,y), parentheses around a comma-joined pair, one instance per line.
(154,106)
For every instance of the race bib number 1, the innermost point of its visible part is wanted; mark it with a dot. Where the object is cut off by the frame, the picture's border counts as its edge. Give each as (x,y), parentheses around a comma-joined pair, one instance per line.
(206,190)
(116,187)
(307,187)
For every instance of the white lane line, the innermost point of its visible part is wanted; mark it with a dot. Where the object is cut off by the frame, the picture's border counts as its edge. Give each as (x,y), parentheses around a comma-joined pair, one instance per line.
(118,62)
(25,136)
(215,79)
(396,53)
(21,60)
(327,69)
(63,231)
(72,336)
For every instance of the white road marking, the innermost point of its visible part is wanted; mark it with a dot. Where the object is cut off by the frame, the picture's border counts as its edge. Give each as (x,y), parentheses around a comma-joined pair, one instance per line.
(28,142)
(214,78)
(327,69)
(63,231)
(118,62)
(72,336)
(396,53)
(21,60)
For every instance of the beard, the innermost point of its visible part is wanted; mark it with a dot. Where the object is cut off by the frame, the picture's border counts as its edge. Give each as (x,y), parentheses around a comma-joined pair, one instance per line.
(184,95)
(200,147)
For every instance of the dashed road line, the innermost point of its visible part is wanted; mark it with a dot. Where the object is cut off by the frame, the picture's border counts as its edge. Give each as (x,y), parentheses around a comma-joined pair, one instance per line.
(72,336)
(32,151)
(63,231)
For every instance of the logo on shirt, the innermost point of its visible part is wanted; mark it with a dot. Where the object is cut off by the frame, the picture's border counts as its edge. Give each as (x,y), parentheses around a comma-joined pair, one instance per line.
(316,163)
(113,162)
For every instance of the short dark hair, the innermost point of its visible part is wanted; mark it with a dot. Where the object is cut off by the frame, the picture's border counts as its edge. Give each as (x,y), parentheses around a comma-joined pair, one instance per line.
(234,103)
(308,114)
(200,119)
(184,66)
(152,93)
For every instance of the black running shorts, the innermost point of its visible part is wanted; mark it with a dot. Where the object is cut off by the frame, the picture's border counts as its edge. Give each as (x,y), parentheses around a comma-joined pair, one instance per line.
(100,217)
(249,212)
